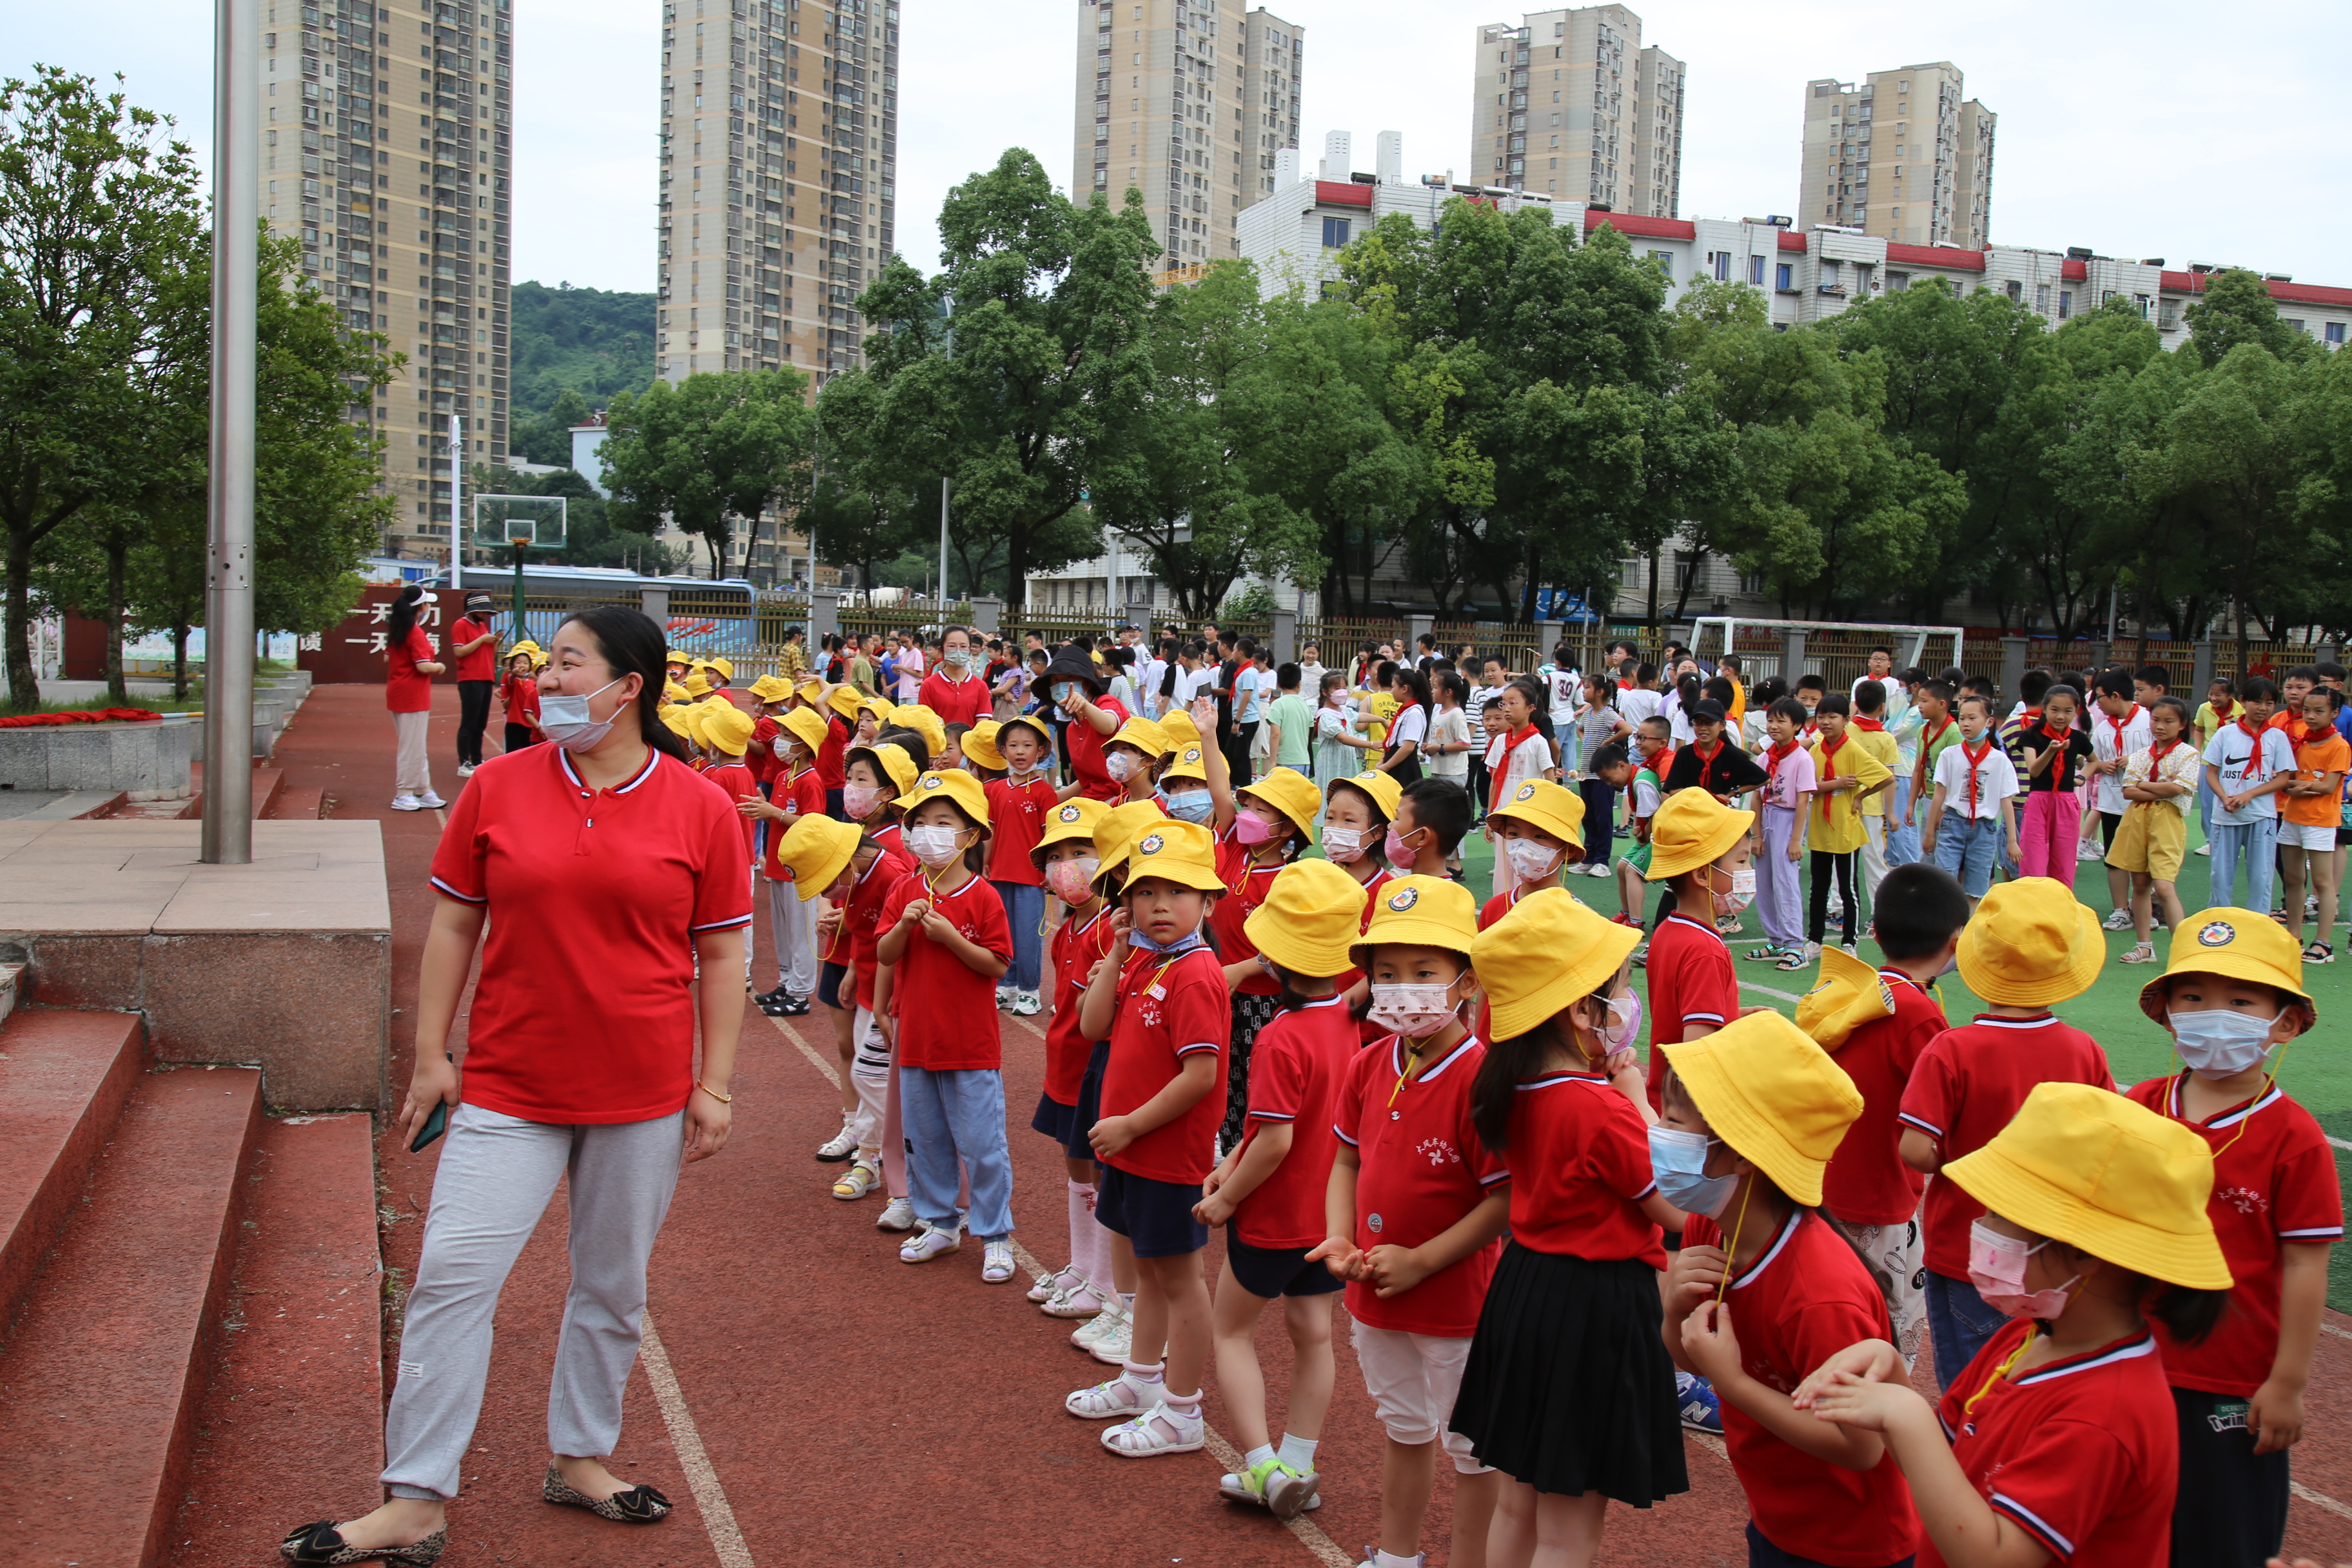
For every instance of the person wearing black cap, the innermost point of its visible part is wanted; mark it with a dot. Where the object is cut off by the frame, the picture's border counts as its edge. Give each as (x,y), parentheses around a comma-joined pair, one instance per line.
(1074,687)
(1712,763)
(474,647)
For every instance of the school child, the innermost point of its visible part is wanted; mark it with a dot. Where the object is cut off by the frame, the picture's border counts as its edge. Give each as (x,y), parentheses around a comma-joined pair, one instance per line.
(2220,709)
(1653,755)
(792,927)
(929,726)
(2233,1000)
(1568,1389)
(1615,764)
(518,697)
(1064,859)
(1867,728)
(1811,689)
(1356,811)
(1712,762)
(1339,750)
(1782,806)
(853,871)
(1415,1210)
(770,697)
(2118,727)
(951,757)
(1541,830)
(1933,710)
(1596,724)
(1972,812)
(1132,758)
(942,932)
(876,777)
(1018,805)
(1877,1023)
(2156,784)
(1699,849)
(1765,1290)
(2028,947)
(1259,830)
(1521,753)
(1843,773)
(2246,762)
(1164,1011)
(1269,1189)
(2310,807)
(1433,817)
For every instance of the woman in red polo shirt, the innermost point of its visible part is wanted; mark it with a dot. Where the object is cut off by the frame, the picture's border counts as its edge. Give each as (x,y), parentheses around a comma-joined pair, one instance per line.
(579,1063)
(408,672)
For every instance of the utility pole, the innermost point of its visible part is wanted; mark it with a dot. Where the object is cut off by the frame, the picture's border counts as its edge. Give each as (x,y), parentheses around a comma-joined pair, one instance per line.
(943,548)
(227,834)
(456,500)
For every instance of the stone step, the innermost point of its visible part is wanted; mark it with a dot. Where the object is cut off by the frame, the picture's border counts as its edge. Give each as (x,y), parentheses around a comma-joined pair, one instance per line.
(305,802)
(64,1077)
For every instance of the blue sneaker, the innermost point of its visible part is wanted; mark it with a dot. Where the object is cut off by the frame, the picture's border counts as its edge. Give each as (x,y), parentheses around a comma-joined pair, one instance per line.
(1695,1402)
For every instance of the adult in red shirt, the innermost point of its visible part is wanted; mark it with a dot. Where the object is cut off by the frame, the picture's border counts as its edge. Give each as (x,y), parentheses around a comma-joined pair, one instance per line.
(409,669)
(952,689)
(475,646)
(612,870)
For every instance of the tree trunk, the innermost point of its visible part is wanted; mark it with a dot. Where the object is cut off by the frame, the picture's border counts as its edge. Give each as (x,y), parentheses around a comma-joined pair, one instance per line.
(117,548)
(1652,622)
(179,663)
(1683,588)
(24,690)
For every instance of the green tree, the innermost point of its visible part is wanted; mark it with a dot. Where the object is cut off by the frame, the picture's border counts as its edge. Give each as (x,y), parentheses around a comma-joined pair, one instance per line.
(2236,308)
(717,447)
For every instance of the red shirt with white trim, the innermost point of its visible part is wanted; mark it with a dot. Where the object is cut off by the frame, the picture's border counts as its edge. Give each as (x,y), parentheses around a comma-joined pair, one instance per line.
(2083,1454)
(1806,1299)
(861,917)
(1965,1088)
(483,662)
(1295,1072)
(830,763)
(734,777)
(947,1009)
(520,693)
(1017,820)
(761,757)
(965,702)
(2274,1187)
(1580,1162)
(1078,942)
(1168,1009)
(1423,1167)
(1867,1181)
(1245,889)
(796,796)
(598,1026)
(1086,747)
(406,688)
(1691,984)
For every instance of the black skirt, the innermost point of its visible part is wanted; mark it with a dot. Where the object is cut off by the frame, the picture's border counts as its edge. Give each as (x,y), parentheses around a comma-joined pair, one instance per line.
(1088,1110)
(1569,1387)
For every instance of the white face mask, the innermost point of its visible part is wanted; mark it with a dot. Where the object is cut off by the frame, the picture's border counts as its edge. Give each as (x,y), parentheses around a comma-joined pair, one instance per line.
(933,845)
(1344,845)
(1411,1010)
(1742,893)
(1121,765)
(564,720)
(1530,861)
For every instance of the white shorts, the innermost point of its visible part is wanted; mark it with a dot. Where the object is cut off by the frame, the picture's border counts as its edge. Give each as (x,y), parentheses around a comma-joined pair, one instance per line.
(2303,836)
(1412,1379)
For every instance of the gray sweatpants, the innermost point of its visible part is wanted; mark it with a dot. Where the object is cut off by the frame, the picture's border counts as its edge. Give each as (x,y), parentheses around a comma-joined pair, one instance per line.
(791,929)
(496,1176)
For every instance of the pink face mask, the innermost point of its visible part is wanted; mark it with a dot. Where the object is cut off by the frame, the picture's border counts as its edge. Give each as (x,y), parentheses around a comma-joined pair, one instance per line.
(1997,1269)
(1071,880)
(1249,827)
(859,801)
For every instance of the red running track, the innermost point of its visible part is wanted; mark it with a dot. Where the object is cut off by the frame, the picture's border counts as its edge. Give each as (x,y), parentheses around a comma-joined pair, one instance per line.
(856,1410)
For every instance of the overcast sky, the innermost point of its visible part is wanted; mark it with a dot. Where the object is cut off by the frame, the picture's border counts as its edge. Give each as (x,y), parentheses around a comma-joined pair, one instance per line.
(2116,131)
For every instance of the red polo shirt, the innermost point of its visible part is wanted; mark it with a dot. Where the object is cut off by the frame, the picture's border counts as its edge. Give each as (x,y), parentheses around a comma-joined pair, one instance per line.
(734,777)
(829,764)
(1422,1168)
(1867,1181)
(1017,820)
(1691,983)
(796,796)
(1167,1010)
(406,688)
(1077,945)
(1368,1031)
(597,1027)
(1086,751)
(761,757)
(860,916)
(482,664)
(522,700)
(1806,1299)
(951,1024)
(2083,1453)
(2274,1187)
(1965,1088)
(1580,1162)
(1245,890)
(965,702)
(1296,1065)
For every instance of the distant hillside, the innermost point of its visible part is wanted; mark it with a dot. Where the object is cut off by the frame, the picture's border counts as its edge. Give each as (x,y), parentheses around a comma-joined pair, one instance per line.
(572,349)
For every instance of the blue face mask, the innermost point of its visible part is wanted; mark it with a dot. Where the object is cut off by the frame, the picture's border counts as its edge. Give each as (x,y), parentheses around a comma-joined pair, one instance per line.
(1061,689)
(1142,943)
(1193,805)
(1678,1161)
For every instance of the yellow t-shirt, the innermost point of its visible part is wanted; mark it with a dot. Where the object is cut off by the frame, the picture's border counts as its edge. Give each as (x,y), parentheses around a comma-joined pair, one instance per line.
(1836,821)
(2210,723)
(1380,709)
(1880,745)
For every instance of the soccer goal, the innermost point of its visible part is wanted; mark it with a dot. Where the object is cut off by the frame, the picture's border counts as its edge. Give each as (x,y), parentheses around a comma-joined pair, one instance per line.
(1827,647)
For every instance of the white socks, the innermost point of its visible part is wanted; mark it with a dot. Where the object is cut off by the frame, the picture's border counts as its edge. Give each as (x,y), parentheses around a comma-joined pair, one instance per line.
(1391,1559)
(1257,1456)
(1298,1452)
(1083,1234)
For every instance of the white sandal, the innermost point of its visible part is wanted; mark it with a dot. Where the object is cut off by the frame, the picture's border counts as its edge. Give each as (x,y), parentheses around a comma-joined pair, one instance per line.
(1162,1429)
(1058,1284)
(1105,1401)
(997,1264)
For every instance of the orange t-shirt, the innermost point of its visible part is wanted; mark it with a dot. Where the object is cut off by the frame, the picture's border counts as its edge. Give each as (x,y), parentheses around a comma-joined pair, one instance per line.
(2316,759)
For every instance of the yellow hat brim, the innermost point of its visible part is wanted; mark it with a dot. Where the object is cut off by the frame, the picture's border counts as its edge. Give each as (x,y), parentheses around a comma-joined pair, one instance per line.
(1847,994)
(1183,870)
(1285,943)
(1578,973)
(1753,1132)
(2090,956)
(2191,956)
(1536,813)
(967,794)
(1706,852)
(839,844)
(1368,783)
(2191,1260)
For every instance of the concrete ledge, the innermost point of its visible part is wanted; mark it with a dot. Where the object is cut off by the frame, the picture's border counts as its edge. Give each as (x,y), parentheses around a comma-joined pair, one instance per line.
(286,963)
(145,759)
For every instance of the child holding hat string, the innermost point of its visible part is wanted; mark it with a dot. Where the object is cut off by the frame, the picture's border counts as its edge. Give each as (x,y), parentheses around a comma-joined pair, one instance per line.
(1568,1390)
(1270,1190)
(1765,1290)
(2060,1438)
(1414,1208)
(2233,999)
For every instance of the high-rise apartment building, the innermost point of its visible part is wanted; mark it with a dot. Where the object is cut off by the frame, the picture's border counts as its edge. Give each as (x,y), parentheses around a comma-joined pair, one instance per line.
(1187,101)
(387,150)
(1569,104)
(779,168)
(1902,155)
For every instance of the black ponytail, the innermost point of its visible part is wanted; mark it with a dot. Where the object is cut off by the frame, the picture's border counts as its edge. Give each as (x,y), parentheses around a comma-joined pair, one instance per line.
(403,619)
(2187,1315)
(633,644)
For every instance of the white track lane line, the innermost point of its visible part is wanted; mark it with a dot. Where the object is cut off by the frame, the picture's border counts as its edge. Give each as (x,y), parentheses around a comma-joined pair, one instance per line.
(709,1497)
(2320,1500)
(2340,1143)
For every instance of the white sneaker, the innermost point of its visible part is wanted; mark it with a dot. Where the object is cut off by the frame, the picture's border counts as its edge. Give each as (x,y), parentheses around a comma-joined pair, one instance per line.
(934,1241)
(1084,1335)
(1004,1000)
(465,770)
(2205,849)
(406,803)
(1116,1342)
(1025,1004)
(2120,920)
(430,801)
(898,1213)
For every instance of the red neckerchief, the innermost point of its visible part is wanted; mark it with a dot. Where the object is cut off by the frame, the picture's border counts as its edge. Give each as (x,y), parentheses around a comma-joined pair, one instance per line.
(1864,723)
(2297,730)
(1830,747)
(1780,751)
(1974,758)
(2253,751)
(1510,743)
(2117,726)
(1936,733)
(2158,752)
(2059,782)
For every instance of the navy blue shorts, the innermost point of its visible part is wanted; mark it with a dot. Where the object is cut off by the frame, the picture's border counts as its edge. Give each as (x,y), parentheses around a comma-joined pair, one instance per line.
(1088,1111)
(1058,1122)
(829,977)
(1156,1217)
(1762,1553)
(1271,1271)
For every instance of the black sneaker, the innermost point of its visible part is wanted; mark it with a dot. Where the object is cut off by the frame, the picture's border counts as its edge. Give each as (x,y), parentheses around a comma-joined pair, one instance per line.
(765,998)
(785,1007)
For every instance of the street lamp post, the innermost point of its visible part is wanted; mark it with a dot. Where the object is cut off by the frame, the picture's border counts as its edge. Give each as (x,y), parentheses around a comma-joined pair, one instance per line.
(228,836)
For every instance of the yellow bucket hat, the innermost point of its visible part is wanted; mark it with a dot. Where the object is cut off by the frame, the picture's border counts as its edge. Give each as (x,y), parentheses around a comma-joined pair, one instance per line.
(815,851)
(2088,1167)
(1074,819)
(526,646)
(725,728)
(697,686)
(1773,1095)
(1848,995)
(844,700)
(1290,793)
(1548,951)
(1177,726)
(1189,765)
(1381,789)
(1416,911)
(1692,829)
(671,691)
(770,689)
(724,667)
(1116,829)
(803,725)
(897,763)
(1554,808)
(1184,853)
(923,722)
(809,680)
(1312,913)
(1144,735)
(979,745)
(2031,943)
(674,718)
(970,795)
(1035,725)
(2237,944)
(882,708)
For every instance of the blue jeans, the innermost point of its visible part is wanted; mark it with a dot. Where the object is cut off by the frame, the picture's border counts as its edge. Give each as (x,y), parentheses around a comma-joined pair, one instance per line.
(1024,911)
(1959,1322)
(1762,1553)
(1599,813)
(2205,799)
(958,1116)
(1901,824)
(1969,847)
(2256,843)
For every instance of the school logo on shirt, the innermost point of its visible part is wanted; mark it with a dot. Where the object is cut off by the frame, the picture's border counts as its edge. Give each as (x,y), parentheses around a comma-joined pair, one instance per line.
(1404,898)
(2218,934)
(2245,1200)
(1527,791)
(1151,845)
(1439,1151)
(1372,1223)
(1069,814)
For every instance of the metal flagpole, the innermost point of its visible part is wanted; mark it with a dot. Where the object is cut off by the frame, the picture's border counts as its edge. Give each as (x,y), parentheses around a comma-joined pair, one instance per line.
(943,547)
(456,502)
(228,838)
